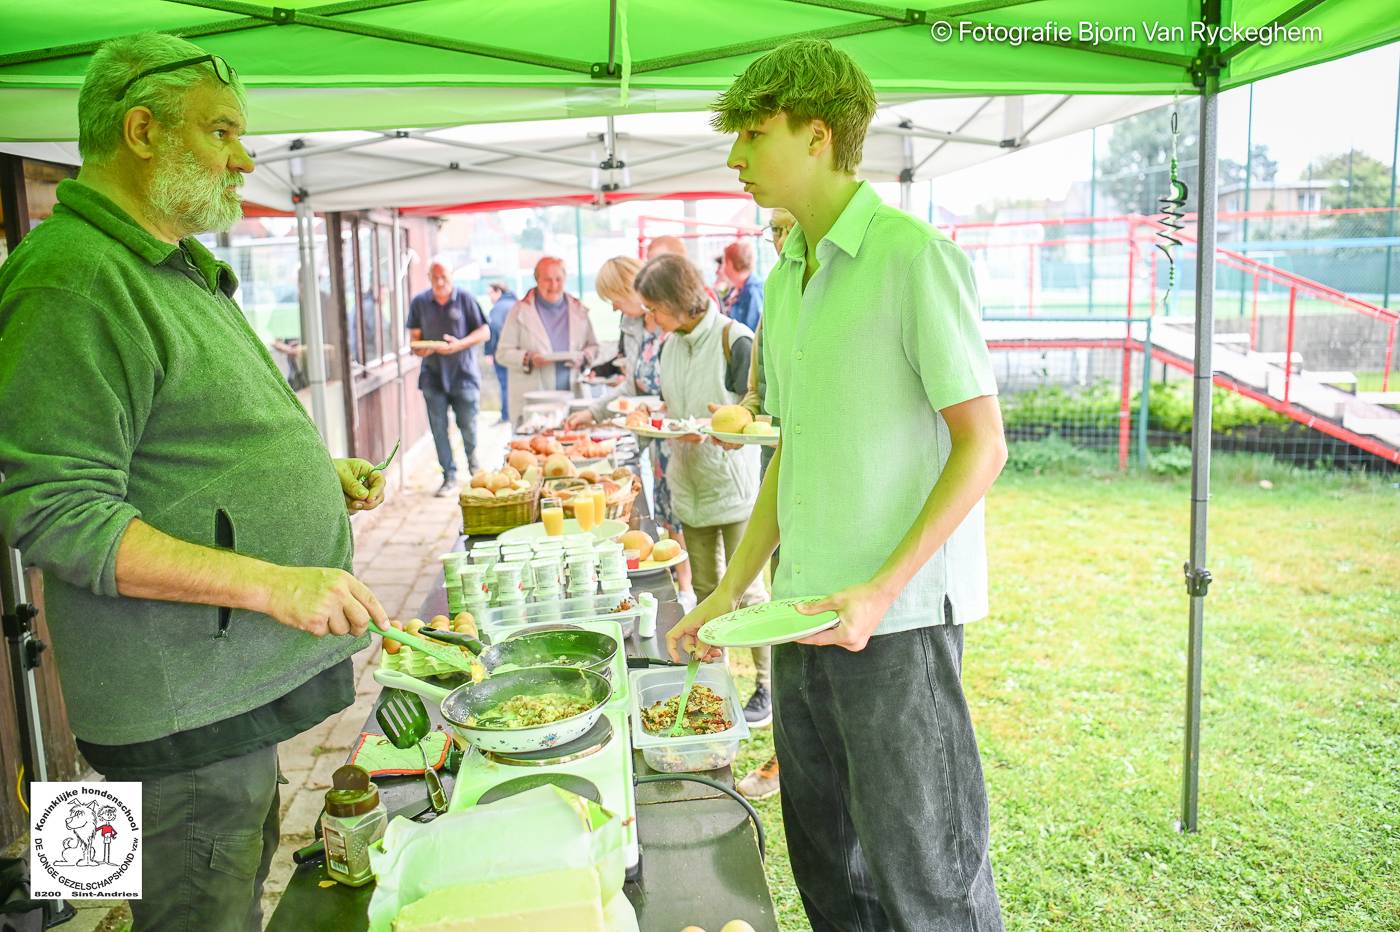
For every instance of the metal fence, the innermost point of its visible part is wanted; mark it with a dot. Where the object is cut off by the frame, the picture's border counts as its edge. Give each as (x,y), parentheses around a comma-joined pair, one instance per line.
(1067,303)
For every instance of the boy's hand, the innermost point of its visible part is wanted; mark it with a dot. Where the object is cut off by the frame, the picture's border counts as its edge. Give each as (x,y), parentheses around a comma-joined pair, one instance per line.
(682,641)
(860,610)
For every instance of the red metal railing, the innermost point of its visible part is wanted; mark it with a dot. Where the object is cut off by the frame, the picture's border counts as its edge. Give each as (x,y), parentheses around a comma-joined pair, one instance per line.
(1141,232)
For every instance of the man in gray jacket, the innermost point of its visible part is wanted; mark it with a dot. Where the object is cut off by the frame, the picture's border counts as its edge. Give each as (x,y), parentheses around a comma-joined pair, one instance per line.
(191,525)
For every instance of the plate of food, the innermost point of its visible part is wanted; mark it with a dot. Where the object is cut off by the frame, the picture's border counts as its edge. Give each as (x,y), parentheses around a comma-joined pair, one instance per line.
(758,433)
(426,344)
(665,428)
(776,622)
(663,554)
(626,404)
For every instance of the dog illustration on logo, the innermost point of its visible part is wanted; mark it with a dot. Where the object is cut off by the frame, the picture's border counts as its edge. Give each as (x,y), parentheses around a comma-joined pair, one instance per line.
(82,821)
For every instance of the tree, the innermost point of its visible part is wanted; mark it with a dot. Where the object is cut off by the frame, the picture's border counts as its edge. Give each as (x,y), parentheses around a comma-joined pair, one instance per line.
(1358,179)
(1261,168)
(1135,169)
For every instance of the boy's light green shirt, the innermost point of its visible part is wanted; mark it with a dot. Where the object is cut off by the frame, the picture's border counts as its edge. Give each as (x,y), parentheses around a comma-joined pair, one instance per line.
(885,336)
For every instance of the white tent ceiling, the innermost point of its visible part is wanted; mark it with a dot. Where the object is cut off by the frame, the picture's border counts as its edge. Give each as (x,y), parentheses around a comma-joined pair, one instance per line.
(660,153)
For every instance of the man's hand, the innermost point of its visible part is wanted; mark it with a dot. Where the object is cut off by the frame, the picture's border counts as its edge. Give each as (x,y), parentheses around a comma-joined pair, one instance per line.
(362,486)
(682,642)
(321,601)
(860,609)
(450,346)
(579,419)
(421,351)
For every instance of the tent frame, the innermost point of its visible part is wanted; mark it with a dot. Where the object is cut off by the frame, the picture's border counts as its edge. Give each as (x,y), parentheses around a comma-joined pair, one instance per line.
(1203,72)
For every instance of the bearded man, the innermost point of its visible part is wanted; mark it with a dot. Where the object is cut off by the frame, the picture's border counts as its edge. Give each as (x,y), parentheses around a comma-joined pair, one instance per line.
(191,526)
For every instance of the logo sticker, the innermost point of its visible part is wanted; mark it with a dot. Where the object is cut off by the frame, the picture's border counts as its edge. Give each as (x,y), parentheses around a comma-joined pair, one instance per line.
(85,841)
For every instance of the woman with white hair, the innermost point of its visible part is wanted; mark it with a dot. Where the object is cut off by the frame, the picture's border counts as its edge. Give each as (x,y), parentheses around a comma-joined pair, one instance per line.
(547,338)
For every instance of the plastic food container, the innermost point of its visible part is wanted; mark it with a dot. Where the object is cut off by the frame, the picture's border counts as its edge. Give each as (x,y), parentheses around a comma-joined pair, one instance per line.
(688,753)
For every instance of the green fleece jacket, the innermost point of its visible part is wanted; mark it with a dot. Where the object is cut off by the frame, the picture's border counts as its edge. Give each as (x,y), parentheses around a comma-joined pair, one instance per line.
(132,386)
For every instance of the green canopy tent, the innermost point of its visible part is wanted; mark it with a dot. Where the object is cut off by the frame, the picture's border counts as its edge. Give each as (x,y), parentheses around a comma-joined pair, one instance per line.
(388,64)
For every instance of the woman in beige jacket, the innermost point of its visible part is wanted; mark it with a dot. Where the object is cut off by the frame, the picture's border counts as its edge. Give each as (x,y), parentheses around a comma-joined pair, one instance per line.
(546,323)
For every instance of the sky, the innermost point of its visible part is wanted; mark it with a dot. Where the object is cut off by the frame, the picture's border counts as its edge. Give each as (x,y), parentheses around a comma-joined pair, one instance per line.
(1296,115)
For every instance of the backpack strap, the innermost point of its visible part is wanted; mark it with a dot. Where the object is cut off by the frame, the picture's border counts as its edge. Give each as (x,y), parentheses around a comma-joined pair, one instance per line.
(728,349)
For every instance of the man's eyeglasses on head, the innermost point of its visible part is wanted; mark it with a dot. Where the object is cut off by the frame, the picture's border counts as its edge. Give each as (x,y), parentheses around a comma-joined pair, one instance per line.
(222,70)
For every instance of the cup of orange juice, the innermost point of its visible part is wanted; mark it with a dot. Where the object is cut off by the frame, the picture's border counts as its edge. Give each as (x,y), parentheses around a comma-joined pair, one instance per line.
(600,503)
(583,511)
(552,516)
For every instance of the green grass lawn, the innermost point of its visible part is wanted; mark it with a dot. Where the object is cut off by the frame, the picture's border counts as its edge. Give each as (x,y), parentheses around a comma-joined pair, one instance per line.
(1076,683)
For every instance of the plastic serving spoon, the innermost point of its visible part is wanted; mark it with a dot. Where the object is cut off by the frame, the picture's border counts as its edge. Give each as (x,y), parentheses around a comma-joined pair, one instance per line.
(691,669)
(448,655)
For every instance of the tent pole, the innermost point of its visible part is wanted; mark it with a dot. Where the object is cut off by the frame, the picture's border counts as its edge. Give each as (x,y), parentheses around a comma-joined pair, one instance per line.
(906,176)
(312,331)
(1197,576)
(578,240)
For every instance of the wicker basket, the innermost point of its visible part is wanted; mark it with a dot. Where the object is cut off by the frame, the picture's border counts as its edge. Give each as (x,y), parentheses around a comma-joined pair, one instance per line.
(619,502)
(494,515)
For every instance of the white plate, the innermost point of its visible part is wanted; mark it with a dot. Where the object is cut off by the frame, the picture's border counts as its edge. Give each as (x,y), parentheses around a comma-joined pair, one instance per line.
(561,356)
(653,402)
(604,530)
(774,622)
(662,434)
(763,440)
(651,566)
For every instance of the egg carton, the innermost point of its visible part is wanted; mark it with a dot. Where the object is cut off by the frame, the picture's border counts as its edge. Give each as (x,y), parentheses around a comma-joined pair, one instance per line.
(417,663)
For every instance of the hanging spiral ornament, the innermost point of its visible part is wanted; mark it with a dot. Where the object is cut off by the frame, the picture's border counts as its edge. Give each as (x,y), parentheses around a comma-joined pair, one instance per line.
(1173,208)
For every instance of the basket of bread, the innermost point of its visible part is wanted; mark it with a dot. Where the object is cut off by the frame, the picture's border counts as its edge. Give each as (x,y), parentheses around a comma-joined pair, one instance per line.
(499,500)
(620,485)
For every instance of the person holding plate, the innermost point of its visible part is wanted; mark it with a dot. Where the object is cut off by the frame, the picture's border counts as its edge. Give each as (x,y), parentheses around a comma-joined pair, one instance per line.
(876,491)
(547,339)
(450,320)
(706,360)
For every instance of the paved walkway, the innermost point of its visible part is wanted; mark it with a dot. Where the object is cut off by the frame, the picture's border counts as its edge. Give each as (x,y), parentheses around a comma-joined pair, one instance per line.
(396,549)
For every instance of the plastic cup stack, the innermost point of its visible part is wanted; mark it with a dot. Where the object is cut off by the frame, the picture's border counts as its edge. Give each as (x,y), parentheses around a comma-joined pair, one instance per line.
(451,566)
(473,580)
(548,580)
(612,565)
(509,588)
(582,569)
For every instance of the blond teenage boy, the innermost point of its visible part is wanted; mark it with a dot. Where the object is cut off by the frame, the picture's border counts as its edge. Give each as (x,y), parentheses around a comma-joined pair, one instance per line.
(891,437)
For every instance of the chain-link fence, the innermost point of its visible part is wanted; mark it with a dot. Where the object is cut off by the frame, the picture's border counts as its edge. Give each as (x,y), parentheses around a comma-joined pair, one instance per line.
(1076,394)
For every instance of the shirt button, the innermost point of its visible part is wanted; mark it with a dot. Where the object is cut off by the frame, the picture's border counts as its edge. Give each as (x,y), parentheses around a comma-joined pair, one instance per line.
(798,428)
(800,354)
(798,499)
(797,568)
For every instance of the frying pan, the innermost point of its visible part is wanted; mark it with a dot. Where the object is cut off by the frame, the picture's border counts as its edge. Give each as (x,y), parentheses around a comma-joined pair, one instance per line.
(476,699)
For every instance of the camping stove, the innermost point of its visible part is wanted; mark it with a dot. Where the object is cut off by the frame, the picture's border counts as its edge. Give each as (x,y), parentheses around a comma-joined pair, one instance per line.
(596,765)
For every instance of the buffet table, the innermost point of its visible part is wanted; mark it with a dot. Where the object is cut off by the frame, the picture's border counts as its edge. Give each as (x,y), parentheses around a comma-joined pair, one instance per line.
(700,860)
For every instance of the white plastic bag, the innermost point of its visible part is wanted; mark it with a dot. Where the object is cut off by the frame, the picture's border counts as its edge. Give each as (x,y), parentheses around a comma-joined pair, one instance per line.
(544,829)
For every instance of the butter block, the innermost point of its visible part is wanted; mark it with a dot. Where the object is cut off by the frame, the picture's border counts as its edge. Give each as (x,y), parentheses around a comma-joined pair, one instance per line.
(554,900)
